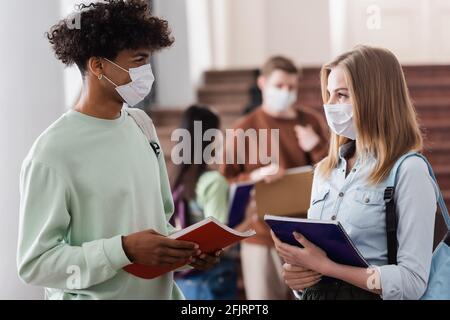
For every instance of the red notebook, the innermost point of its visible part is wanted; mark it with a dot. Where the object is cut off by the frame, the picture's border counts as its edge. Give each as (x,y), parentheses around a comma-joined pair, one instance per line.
(209,234)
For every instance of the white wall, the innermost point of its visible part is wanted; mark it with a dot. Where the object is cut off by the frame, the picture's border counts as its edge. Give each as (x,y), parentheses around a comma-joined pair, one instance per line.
(248,32)
(199,37)
(299,28)
(31,97)
(72,76)
(245,33)
(416,30)
(174,85)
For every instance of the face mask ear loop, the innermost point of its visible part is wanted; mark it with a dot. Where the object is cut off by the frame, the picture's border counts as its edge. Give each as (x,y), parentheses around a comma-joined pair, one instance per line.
(100,77)
(116,65)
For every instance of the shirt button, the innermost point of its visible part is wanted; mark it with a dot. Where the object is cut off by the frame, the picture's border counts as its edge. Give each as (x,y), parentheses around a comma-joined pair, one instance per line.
(354,170)
(333,217)
(341,194)
(366,200)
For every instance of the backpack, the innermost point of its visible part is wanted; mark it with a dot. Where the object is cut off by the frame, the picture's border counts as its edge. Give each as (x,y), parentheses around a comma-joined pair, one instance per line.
(439,280)
(145,123)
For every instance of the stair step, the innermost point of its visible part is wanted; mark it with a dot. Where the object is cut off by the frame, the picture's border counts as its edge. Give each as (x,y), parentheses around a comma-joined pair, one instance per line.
(446,195)
(423,82)
(438,124)
(428,70)
(229,108)
(409,70)
(434,92)
(225,98)
(216,94)
(439,102)
(313,73)
(250,75)
(435,133)
(442,173)
(433,112)
(425,107)
(438,147)
(419,88)
(226,87)
(166,117)
(437,156)
(245,76)
(222,108)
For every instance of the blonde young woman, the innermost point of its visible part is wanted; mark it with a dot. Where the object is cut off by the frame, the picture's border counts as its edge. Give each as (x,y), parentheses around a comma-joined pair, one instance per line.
(373,124)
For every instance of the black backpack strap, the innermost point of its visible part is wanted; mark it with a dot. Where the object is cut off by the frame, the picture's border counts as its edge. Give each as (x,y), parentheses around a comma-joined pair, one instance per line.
(391,225)
(391,214)
(391,211)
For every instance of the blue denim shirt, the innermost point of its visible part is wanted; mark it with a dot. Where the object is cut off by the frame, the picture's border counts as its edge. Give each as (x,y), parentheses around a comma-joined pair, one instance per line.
(360,208)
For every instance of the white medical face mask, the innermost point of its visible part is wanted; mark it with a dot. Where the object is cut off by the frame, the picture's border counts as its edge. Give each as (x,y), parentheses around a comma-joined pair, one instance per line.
(340,119)
(279,100)
(142,79)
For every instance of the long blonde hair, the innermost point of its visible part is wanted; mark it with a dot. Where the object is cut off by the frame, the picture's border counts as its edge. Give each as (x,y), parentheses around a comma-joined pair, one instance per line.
(384,115)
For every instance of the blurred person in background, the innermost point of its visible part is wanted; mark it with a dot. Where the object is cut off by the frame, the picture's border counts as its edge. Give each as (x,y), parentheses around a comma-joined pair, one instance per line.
(199,192)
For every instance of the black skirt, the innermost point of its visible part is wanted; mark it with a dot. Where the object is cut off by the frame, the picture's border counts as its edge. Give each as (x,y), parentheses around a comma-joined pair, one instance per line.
(337,290)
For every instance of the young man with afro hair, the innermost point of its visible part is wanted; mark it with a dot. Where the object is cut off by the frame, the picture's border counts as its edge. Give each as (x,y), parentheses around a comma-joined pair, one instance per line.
(95,196)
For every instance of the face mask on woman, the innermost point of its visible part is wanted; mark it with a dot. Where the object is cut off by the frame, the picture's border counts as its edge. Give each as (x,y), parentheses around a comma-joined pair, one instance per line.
(140,86)
(340,119)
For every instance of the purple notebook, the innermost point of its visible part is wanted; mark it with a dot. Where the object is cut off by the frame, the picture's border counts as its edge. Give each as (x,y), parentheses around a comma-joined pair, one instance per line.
(330,236)
(240,194)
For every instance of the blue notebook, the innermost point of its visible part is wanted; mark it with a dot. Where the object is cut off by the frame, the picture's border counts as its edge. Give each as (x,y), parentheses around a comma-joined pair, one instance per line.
(330,236)
(240,194)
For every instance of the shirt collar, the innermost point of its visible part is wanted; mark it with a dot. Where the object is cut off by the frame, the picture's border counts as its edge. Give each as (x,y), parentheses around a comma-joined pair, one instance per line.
(347,149)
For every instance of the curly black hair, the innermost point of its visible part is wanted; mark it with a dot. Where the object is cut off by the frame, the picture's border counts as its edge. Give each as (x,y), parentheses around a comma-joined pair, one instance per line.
(107,28)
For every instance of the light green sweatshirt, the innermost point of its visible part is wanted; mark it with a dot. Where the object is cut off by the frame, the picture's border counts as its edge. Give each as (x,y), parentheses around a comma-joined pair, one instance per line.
(84,184)
(212,196)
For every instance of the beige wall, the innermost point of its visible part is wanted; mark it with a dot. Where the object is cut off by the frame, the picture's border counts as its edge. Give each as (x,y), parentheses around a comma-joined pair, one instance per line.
(418,31)
(250,31)
(246,32)
(32,97)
